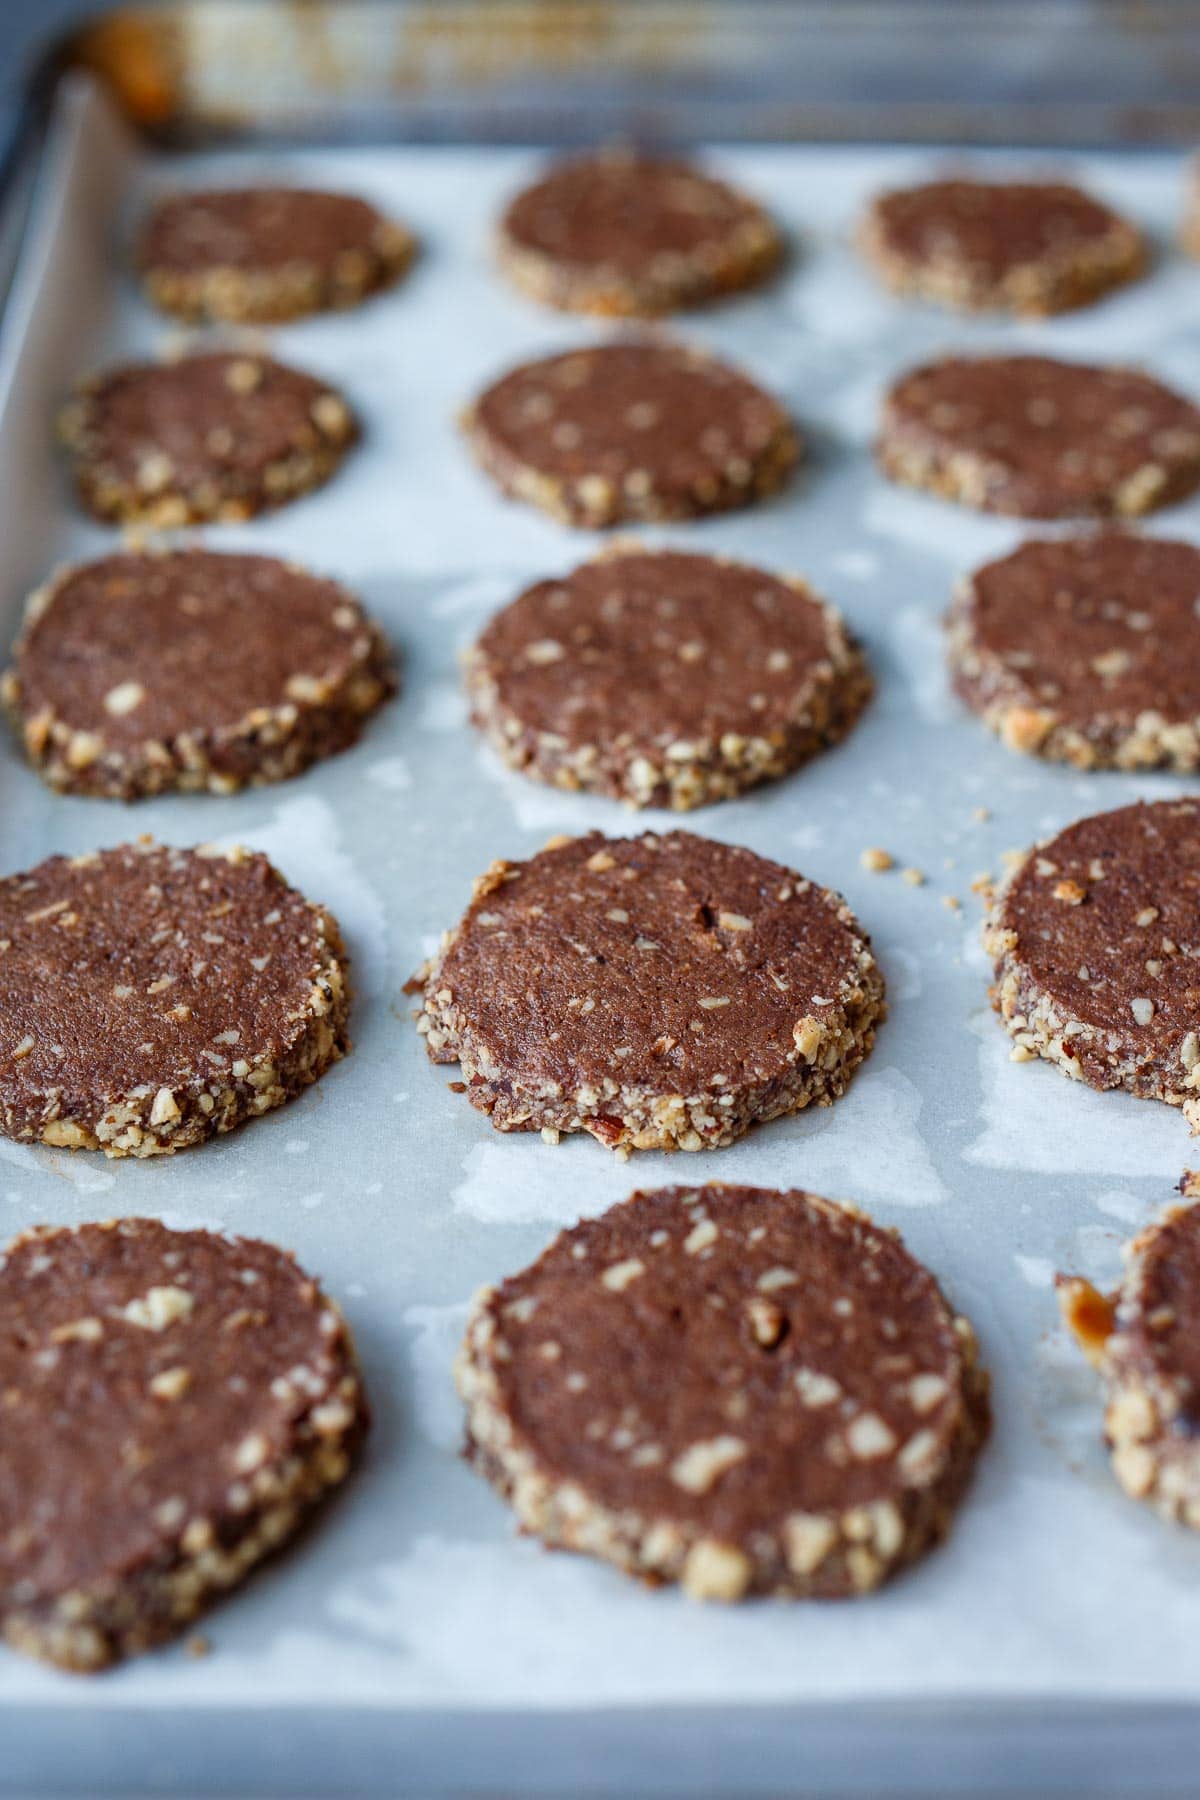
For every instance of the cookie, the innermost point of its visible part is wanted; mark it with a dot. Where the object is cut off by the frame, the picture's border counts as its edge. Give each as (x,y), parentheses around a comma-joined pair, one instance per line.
(266,253)
(620,233)
(1145,1342)
(744,1391)
(221,435)
(664,678)
(631,430)
(175,1404)
(1040,438)
(1085,650)
(153,997)
(661,992)
(190,670)
(1189,233)
(1094,943)
(1027,247)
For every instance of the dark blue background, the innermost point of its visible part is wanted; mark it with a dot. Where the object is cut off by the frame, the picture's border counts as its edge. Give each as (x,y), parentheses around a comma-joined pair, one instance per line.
(25,27)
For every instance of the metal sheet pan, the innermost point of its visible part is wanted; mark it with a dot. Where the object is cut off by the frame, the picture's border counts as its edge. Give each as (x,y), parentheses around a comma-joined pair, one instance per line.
(412,1642)
(553,71)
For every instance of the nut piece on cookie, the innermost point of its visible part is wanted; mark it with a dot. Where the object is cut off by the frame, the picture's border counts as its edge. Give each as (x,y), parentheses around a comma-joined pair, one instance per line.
(176,1403)
(217,436)
(660,992)
(152,997)
(637,429)
(1017,246)
(267,254)
(665,679)
(742,1391)
(1144,1340)
(1085,650)
(620,233)
(1040,438)
(189,670)
(1092,938)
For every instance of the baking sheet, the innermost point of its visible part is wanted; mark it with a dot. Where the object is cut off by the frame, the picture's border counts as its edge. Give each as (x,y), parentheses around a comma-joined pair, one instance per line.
(1070,72)
(413,1593)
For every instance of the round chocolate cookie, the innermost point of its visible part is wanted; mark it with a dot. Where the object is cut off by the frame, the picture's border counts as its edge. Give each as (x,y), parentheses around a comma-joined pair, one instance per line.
(1040,438)
(664,678)
(745,1391)
(1086,650)
(663,993)
(175,1404)
(1189,235)
(153,997)
(221,435)
(621,233)
(190,670)
(1027,247)
(267,253)
(1145,1341)
(631,430)
(1095,949)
